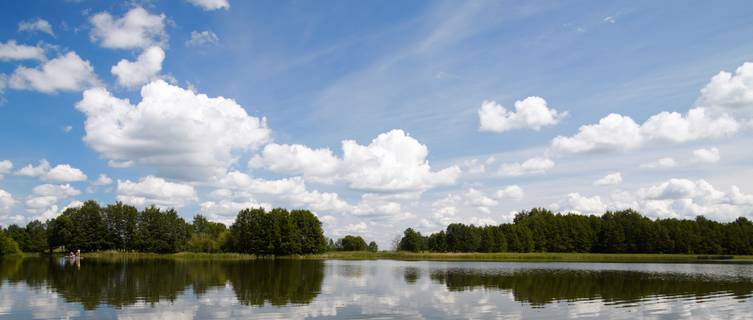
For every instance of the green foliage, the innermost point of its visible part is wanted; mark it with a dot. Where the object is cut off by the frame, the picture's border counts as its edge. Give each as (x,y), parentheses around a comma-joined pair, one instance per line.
(277,232)
(373,247)
(412,241)
(8,245)
(627,231)
(352,243)
(161,231)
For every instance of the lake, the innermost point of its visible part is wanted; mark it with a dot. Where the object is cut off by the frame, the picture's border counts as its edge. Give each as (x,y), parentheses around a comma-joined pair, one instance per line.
(46,288)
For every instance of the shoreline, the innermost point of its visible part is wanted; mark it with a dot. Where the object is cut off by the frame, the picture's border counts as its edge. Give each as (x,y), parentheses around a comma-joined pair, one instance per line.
(435,256)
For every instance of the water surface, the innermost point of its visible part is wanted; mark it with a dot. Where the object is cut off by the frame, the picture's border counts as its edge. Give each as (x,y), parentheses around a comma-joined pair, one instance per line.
(42,288)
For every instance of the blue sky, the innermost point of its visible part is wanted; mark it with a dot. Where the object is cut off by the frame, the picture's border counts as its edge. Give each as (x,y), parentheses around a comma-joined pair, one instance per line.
(423,92)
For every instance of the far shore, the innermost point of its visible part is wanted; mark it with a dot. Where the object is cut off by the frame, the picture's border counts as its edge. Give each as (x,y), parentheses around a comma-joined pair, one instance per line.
(432,256)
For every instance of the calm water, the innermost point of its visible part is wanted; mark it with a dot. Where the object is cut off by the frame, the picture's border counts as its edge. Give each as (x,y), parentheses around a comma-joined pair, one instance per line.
(157,289)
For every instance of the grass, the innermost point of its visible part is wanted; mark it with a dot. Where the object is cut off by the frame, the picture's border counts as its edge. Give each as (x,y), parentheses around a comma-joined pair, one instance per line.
(430,256)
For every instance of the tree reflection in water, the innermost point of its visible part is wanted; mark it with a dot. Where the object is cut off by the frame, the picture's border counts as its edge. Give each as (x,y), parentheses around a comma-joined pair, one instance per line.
(120,283)
(540,287)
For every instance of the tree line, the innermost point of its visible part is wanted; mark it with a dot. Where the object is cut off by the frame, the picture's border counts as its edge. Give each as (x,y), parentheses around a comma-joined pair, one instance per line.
(626,231)
(122,227)
(352,243)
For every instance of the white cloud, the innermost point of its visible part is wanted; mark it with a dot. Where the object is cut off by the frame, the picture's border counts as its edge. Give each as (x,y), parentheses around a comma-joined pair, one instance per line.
(40,203)
(612,132)
(5,168)
(102,180)
(576,203)
(181,133)
(512,192)
(288,190)
(536,165)
(10,50)
(157,191)
(6,202)
(209,5)
(136,29)
(146,68)
(34,171)
(477,198)
(65,173)
(202,38)
(226,210)
(37,24)
(695,125)
(392,162)
(67,129)
(67,72)
(724,93)
(317,164)
(663,163)
(474,166)
(352,229)
(531,112)
(60,191)
(683,198)
(61,172)
(609,20)
(710,155)
(609,179)
(730,92)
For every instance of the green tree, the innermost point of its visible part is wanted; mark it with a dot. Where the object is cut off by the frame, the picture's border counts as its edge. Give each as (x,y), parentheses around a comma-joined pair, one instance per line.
(373,246)
(352,243)
(412,241)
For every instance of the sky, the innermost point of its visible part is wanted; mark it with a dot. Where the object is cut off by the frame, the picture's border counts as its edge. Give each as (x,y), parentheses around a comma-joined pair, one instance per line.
(377,115)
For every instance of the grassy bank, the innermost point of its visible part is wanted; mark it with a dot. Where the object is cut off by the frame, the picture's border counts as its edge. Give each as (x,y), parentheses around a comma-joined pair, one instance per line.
(431,256)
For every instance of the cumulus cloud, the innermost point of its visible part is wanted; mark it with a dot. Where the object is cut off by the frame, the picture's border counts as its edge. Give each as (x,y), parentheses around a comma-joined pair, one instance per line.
(725,93)
(6,202)
(202,38)
(393,162)
(179,132)
(5,168)
(61,172)
(512,192)
(209,5)
(702,155)
(317,164)
(65,173)
(67,72)
(612,132)
(479,199)
(663,163)
(56,190)
(146,68)
(609,179)
(136,29)
(530,113)
(684,198)
(37,24)
(34,171)
(10,50)
(152,190)
(288,190)
(577,203)
(102,180)
(730,92)
(536,165)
